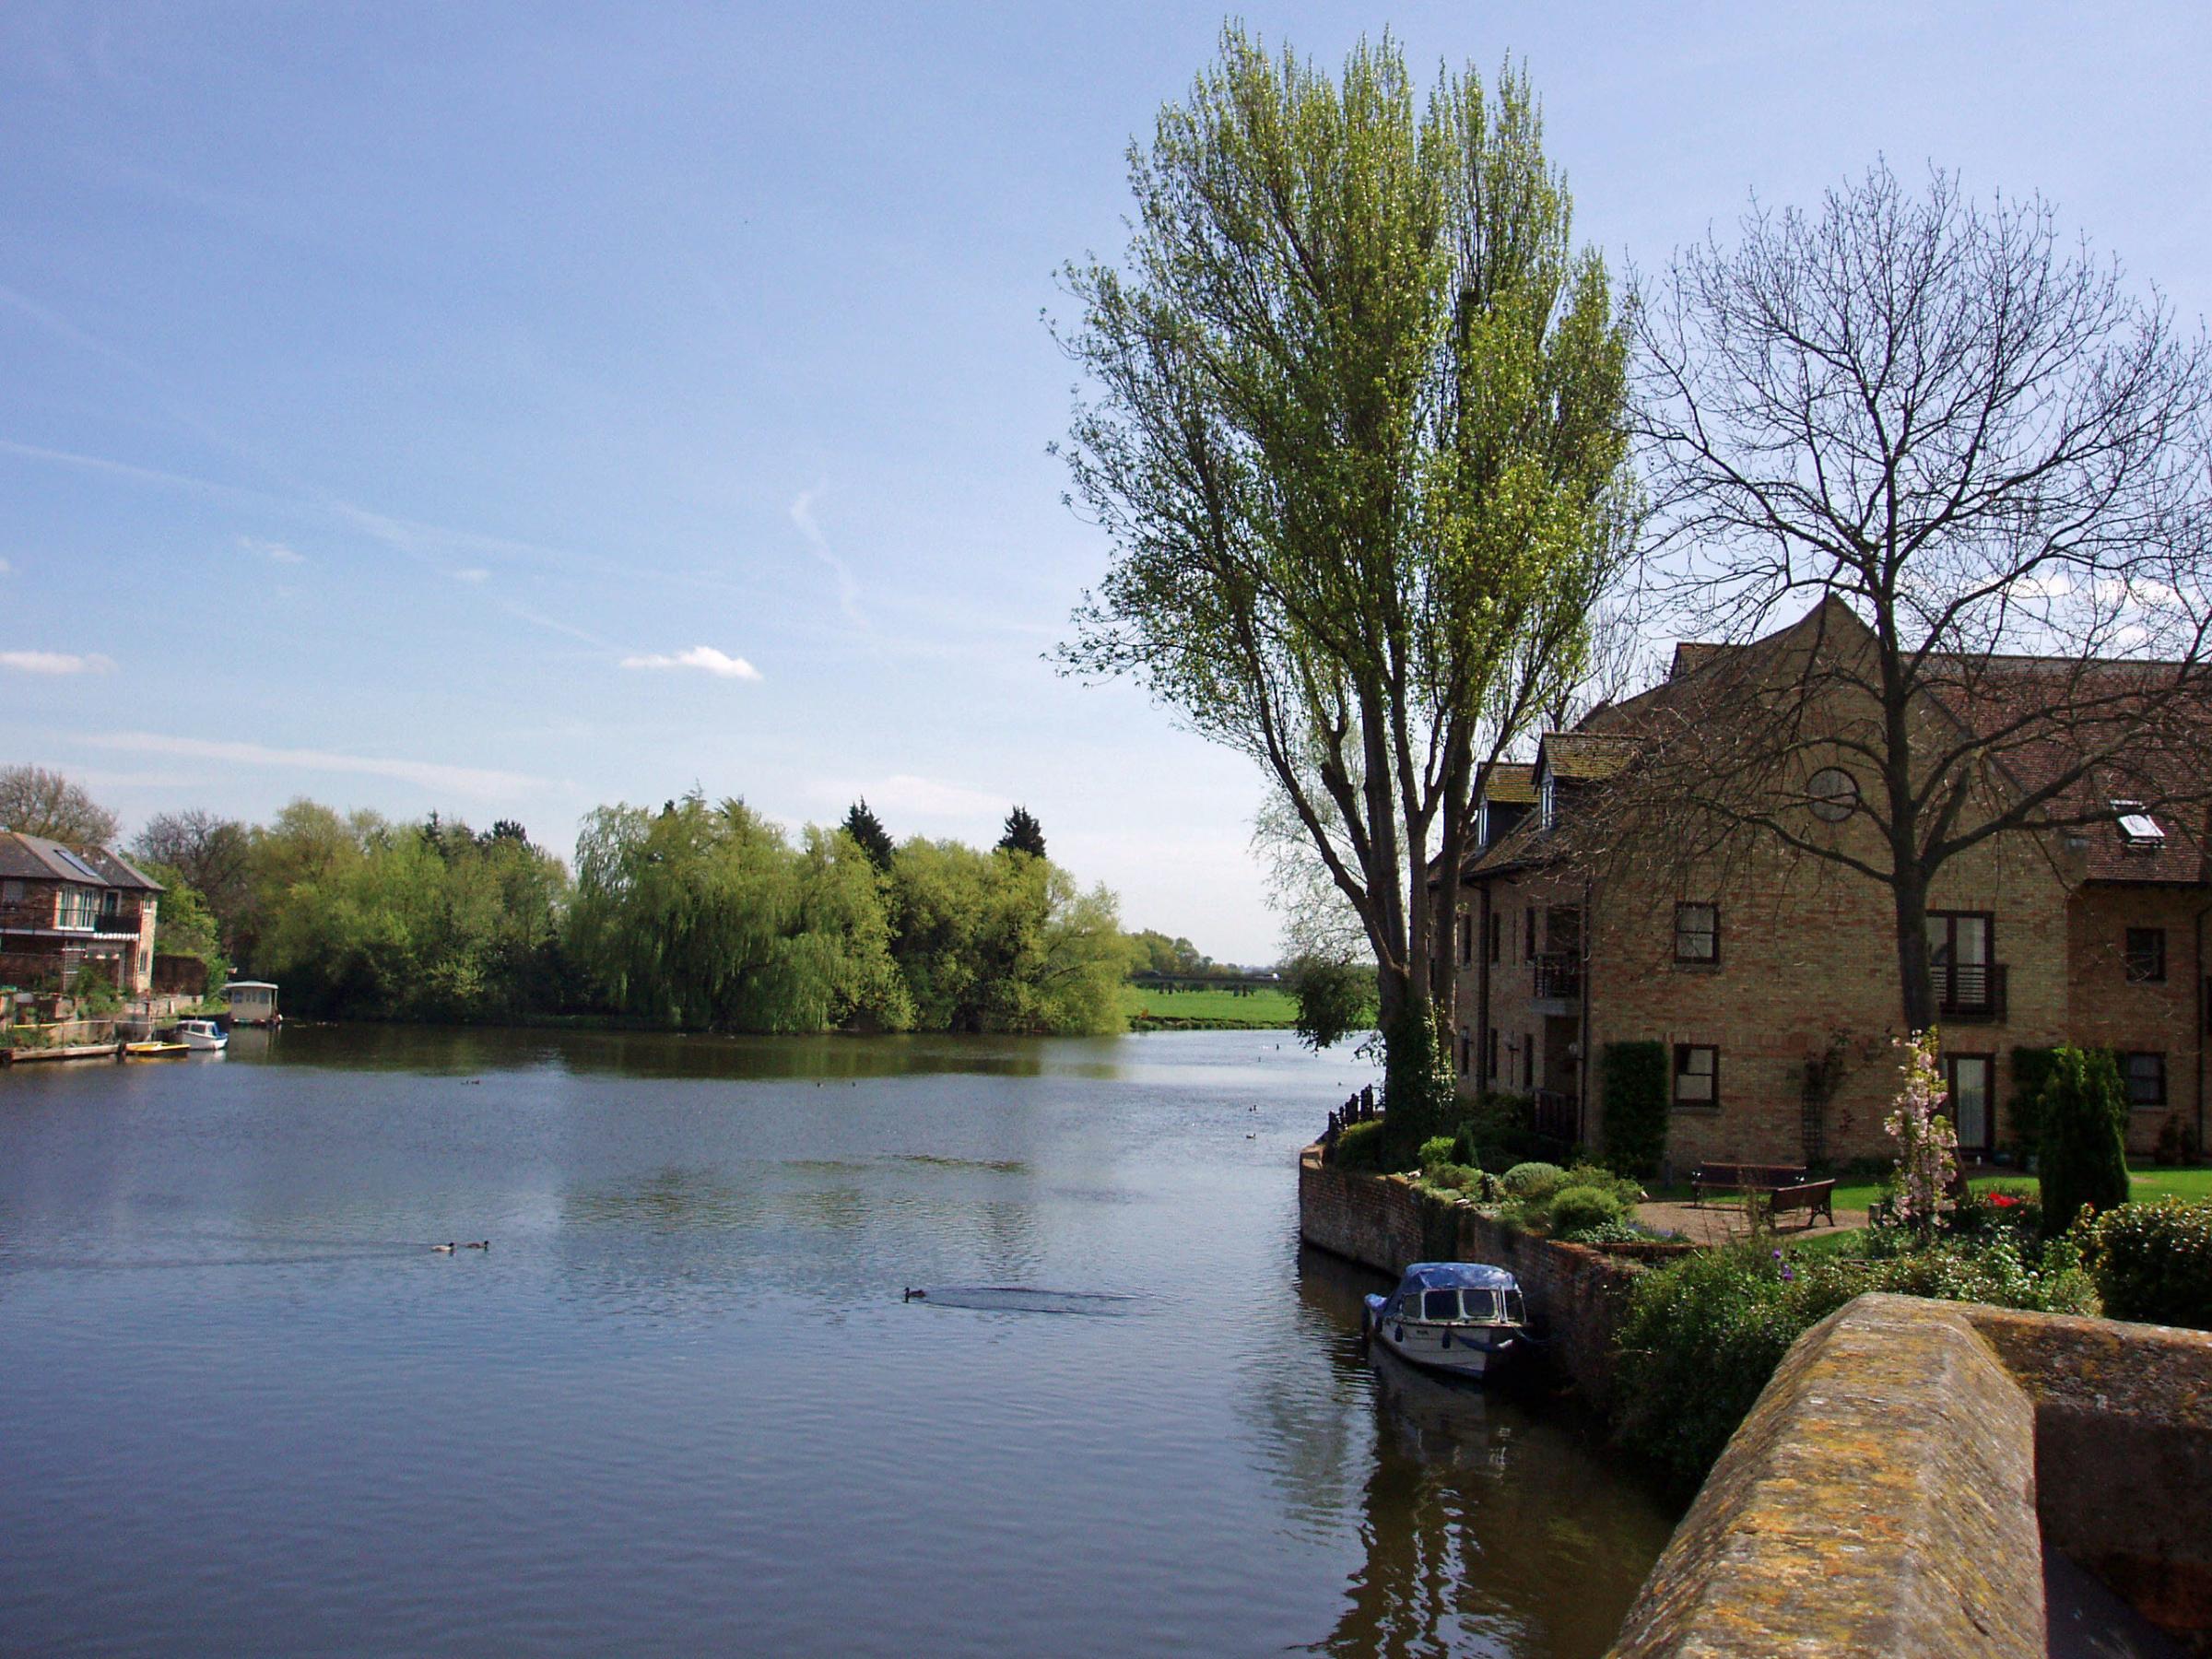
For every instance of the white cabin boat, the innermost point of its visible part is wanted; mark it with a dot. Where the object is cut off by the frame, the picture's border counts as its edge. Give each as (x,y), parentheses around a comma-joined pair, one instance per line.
(252,1002)
(1460,1317)
(203,1036)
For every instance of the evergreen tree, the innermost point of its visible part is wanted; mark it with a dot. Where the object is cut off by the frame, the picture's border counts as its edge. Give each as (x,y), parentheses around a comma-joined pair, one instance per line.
(866,829)
(2082,1153)
(1024,834)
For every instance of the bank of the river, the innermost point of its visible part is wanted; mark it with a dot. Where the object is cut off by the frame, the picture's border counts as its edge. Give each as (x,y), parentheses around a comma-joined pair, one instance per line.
(1150,1009)
(679,1406)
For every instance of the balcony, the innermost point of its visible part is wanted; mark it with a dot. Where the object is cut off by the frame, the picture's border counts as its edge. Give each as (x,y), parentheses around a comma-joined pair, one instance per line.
(1970,992)
(1558,976)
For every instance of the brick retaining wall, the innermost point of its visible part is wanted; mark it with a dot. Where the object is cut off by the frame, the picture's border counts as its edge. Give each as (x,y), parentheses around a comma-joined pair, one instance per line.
(1576,1295)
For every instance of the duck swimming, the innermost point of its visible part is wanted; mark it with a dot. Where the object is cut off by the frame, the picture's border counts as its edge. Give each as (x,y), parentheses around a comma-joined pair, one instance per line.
(442,1249)
(479,1244)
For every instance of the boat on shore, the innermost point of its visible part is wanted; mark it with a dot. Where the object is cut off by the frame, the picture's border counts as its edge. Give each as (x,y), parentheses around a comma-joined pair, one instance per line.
(203,1036)
(1461,1317)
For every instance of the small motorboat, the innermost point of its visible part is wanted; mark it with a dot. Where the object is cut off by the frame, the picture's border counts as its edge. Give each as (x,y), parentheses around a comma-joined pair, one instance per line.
(1460,1317)
(154,1050)
(203,1036)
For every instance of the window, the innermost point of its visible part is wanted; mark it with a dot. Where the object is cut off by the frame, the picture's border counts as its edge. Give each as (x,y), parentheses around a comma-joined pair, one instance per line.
(1697,933)
(1834,792)
(11,892)
(1491,1070)
(1528,1063)
(2145,1079)
(2146,955)
(1466,1051)
(1528,928)
(1966,1079)
(2137,828)
(1697,1074)
(1961,948)
(1497,933)
(1548,801)
(1466,938)
(77,907)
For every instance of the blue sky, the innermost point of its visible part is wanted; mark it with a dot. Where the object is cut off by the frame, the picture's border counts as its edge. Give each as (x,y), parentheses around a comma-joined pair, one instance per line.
(505,409)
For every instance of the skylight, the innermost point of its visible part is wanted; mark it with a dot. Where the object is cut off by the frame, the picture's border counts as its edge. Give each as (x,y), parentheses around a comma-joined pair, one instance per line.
(2137,827)
(79,864)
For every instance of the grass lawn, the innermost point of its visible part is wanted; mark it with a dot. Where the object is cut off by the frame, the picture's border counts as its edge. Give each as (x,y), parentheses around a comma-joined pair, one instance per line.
(1267,1010)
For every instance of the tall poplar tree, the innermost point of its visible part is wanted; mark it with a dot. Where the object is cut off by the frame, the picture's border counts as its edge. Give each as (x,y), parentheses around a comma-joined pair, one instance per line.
(1356,434)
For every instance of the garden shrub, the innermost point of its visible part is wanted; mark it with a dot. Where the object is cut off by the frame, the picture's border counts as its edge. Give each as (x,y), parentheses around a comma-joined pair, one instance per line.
(2153,1262)
(1437,1149)
(1576,1208)
(1360,1146)
(1998,1212)
(1701,1337)
(1534,1180)
(2082,1124)
(1500,1131)
(2031,1073)
(1451,1179)
(1633,1084)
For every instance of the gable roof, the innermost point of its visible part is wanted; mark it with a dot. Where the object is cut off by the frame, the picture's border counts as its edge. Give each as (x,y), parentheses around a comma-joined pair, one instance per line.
(35,858)
(1511,783)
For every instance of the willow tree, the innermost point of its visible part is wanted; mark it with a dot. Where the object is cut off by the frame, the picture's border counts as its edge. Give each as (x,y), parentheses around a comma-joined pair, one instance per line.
(1356,430)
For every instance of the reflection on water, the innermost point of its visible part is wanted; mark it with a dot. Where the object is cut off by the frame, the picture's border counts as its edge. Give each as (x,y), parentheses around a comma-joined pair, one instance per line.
(679,1406)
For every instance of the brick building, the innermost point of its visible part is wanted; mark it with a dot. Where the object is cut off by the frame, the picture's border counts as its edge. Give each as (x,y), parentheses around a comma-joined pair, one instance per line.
(62,908)
(1772,981)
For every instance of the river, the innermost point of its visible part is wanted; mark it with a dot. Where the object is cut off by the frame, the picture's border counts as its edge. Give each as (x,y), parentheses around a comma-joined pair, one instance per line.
(680,1406)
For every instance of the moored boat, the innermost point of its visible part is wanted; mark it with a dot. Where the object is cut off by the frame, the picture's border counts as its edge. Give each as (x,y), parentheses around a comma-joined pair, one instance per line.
(151,1050)
(203,1036)
(1461,1317)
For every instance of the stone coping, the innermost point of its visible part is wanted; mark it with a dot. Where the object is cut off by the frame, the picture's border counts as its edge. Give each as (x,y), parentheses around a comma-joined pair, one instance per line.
(1894,1488)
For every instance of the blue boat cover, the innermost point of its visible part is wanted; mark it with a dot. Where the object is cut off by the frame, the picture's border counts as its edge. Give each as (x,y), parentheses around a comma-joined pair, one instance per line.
(1457,1276)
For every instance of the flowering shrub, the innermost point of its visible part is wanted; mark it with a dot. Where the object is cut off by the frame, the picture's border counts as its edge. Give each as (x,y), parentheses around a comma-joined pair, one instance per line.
(2015,1212)
(1927,1146)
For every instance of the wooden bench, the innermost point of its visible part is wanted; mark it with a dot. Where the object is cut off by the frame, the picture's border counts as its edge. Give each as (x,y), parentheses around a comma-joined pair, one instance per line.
(1736,1180)
(1816,1198)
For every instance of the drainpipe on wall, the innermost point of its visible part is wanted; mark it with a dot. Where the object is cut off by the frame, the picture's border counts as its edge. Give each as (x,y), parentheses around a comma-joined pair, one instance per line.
(1482,1000)
(1582,1067)
(2204,1016)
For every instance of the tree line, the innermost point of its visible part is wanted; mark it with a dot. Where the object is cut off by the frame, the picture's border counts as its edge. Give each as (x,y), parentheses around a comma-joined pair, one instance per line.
(699,915)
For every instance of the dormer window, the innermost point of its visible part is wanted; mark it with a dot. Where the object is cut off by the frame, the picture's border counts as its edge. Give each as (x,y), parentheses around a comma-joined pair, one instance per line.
(1549,798)
(2137,828)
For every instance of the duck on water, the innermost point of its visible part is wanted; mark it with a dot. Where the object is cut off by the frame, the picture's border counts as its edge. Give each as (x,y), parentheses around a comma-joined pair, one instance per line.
(1460,1317)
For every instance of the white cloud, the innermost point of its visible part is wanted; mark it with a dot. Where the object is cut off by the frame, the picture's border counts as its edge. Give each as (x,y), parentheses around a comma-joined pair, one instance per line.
(430,774)
(275,552)
(705,658)
(474,573)
(848,591)
(55,661)
(7,569)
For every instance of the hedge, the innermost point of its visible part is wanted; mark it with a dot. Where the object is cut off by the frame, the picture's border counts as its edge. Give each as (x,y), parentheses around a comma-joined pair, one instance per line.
(1633,1080)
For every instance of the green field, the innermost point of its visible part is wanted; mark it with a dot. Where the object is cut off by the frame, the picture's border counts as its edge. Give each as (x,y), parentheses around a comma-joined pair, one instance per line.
(1150,1009)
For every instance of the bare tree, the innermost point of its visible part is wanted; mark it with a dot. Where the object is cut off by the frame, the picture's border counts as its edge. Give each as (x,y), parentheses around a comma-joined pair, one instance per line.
(36,801)
(1984,458)
(212,854)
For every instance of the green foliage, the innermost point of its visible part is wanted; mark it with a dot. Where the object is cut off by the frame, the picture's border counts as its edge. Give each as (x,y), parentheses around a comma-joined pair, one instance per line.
(1576,1208)
(184,926)
(1501,1131)
(1004,941)
(1335,999)
(1701,1337)
(2014,1212)
(868,831)
(1436,1150)
(1361,1146)
(2031,1074)
(1358,439)
(2082,1115)
(707,916)
(94,991)
(1023,834)
(2153,1260)
(359,916)
(1633,1084)
(1534,1180)
(1154,952)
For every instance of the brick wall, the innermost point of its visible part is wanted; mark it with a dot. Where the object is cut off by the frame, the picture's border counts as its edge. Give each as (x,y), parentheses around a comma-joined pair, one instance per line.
(1808,969)
(1576,1296)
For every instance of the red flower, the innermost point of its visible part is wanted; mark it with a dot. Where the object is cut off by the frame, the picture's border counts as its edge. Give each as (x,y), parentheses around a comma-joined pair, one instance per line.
(2004,1201)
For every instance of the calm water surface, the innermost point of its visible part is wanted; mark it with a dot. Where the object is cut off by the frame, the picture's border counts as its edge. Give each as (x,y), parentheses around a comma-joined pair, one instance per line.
(679,1408)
